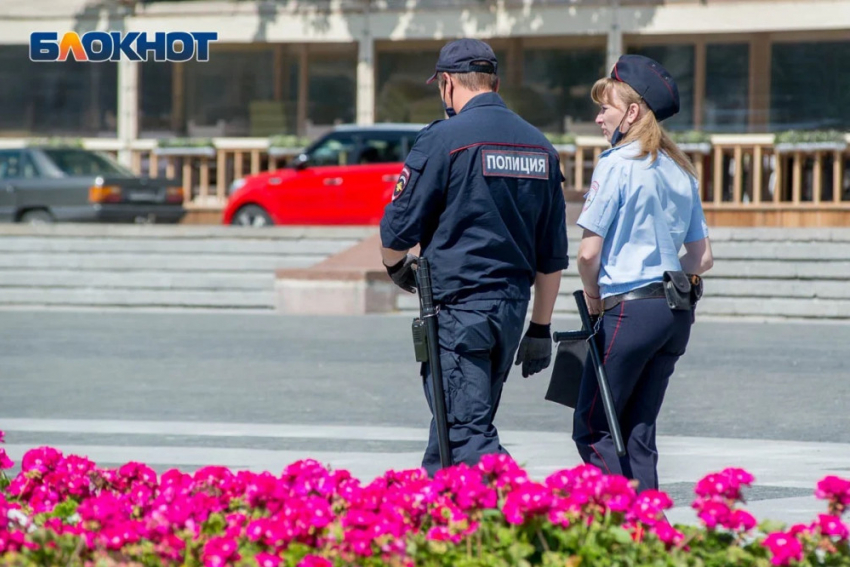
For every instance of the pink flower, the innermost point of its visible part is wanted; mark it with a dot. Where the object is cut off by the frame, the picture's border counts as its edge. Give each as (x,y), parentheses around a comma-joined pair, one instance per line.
(615,492)
(800,529)
(439,533)
(656,498)
(314,561)
(219,551)
(783,548)
(528,500)
(713,514)
(269,560)
(725,484)
(739,477)
(834,489)
(740,520)
(667,534)
(832,526)
(2,437)
(5,461)
(646,512)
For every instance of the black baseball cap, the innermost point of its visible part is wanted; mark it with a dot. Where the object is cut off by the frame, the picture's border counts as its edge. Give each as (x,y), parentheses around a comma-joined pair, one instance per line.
(651,81)
(465,56)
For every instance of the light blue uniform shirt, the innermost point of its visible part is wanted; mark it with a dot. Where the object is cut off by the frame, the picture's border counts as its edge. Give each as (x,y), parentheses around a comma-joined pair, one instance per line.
(644,211)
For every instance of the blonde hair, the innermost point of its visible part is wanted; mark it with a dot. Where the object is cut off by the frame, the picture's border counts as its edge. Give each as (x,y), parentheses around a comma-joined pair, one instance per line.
(646,131)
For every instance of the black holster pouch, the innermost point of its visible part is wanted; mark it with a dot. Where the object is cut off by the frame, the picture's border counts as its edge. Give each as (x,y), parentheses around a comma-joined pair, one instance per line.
(420,340)
(677,289)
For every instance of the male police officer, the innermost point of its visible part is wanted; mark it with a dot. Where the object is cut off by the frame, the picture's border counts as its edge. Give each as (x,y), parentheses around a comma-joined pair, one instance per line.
(481,194)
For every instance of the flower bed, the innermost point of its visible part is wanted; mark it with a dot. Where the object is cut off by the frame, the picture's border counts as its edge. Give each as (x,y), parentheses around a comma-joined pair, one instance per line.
(63,510)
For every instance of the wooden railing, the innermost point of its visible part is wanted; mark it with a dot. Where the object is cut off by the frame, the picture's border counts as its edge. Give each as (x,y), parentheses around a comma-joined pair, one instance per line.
(739,175)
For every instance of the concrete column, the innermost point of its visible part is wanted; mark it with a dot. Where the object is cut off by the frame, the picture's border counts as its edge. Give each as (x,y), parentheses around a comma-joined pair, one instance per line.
(128,107)
(366,72)
(615,36)
(303,89)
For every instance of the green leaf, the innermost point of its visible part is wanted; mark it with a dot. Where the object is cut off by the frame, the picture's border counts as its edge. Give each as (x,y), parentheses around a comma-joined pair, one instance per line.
(56,142)
(690,137)
(621,535)
(185,143)
(811,137)
(288,141)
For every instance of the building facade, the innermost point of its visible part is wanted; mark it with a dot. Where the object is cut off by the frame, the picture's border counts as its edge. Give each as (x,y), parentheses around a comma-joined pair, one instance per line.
(747,70)
(296,67)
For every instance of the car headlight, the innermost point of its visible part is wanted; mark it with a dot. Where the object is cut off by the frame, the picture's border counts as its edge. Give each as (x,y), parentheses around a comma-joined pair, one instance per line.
(235,186)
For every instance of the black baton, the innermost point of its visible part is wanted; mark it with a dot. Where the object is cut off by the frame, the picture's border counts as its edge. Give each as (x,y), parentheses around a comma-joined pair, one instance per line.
(601,376)
(428,314)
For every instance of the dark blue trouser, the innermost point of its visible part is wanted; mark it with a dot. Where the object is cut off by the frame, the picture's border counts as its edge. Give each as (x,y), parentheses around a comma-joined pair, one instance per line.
(478,341)
(640,342)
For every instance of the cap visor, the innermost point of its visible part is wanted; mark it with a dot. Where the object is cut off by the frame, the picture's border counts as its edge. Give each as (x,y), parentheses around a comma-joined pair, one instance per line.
(433,78)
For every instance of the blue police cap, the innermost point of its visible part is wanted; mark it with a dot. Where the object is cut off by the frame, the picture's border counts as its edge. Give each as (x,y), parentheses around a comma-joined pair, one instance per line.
(465,56)
(651,81)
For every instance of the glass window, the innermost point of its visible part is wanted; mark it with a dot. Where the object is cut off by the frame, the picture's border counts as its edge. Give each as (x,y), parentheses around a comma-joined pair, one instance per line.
(555,94)
(15,164)
(221,91)
(334,149)
(679,61)
(68,98)
(810,86)
(401,92)
(10,164)
(82,162)
(385,147)
(332,87)
(727,71)
(156,98)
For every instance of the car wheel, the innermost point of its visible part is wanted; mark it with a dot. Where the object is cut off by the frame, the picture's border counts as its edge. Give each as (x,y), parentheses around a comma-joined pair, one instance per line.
(37,216)
(252,215)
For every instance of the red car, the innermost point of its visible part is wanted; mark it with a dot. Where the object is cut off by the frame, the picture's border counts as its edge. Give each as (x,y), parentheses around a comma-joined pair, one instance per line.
(345,177)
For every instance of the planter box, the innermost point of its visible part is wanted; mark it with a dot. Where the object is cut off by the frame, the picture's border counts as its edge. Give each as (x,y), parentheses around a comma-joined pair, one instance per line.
(784,148)
(201,151)
(277,152)
(695,147)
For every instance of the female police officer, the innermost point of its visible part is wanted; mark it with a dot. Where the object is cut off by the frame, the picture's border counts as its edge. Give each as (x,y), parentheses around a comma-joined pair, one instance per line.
(642,206)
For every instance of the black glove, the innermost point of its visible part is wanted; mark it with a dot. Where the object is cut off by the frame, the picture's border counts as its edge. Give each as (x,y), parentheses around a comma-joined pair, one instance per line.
(402,273)
(535,349)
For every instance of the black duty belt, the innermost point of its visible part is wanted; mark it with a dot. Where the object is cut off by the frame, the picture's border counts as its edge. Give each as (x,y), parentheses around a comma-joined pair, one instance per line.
(652,290)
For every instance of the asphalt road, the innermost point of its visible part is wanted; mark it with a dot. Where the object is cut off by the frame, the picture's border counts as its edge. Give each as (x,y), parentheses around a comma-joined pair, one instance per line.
(782,381)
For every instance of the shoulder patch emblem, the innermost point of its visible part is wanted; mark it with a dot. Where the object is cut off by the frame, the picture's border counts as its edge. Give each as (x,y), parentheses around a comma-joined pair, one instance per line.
(403,178)
(588,199)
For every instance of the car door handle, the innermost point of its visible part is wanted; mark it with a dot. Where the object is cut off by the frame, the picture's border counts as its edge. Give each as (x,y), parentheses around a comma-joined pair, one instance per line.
(332,181)
(390,178)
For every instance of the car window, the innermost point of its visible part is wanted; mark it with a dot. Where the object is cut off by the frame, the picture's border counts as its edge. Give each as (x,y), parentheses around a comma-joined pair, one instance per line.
(10,164)
(384,147)
(15,164)
(336,149)
(83,162)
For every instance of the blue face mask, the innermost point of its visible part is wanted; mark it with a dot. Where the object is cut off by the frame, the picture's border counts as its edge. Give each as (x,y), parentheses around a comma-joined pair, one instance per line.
(618,135)
(449,110)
